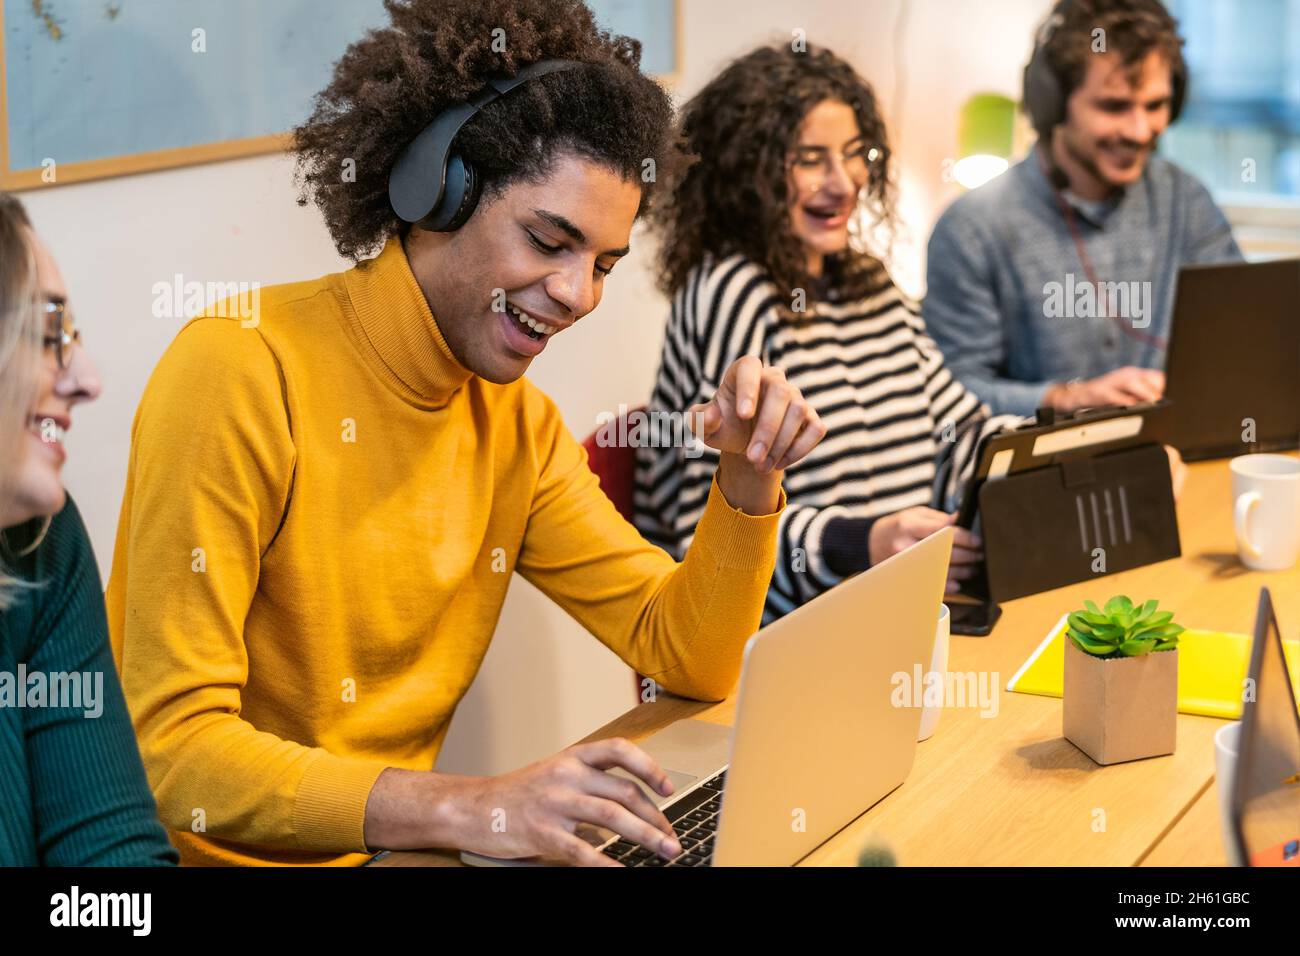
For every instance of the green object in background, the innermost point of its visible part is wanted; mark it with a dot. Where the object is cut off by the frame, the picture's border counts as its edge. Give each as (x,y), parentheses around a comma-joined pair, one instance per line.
(985,136)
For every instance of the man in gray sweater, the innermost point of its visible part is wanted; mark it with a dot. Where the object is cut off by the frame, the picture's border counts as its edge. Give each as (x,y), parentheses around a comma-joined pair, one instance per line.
(1053,284)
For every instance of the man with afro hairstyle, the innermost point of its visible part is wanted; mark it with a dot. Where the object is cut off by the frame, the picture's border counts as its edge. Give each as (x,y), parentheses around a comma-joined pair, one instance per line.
(324,505)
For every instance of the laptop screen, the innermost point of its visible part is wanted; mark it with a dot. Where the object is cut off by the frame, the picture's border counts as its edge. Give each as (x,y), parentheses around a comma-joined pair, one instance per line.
(1267,795)
(1233,366)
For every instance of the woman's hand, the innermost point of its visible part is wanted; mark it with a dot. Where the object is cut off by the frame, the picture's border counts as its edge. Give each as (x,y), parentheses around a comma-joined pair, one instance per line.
(894,533)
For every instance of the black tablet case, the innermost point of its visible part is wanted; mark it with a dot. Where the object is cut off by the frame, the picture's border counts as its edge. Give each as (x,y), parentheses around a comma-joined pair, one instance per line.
(1040,527)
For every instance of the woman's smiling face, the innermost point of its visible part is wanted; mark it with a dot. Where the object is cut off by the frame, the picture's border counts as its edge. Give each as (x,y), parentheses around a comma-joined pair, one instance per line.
(828,171)
(36,485)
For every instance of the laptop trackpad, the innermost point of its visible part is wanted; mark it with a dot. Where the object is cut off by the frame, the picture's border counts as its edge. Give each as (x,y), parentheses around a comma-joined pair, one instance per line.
(679,780)
(687,750)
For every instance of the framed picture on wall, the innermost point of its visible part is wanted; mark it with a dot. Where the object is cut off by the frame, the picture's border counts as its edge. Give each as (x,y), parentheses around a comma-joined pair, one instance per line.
(98,88)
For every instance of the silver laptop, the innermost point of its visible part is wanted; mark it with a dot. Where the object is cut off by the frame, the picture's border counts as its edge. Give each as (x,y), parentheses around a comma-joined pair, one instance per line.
(817,740)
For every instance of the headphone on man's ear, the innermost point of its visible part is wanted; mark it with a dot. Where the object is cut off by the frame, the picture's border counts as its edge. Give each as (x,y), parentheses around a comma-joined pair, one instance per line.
(431,185)
(1044,94)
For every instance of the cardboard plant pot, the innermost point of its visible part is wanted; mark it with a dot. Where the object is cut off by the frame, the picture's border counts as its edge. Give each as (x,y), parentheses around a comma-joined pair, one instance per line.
(1122,708)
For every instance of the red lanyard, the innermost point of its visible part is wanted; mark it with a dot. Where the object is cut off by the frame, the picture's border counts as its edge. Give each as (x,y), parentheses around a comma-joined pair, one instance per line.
(1127,329)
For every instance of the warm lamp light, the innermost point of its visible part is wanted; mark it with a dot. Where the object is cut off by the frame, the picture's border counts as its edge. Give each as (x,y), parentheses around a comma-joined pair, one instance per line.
(985,134)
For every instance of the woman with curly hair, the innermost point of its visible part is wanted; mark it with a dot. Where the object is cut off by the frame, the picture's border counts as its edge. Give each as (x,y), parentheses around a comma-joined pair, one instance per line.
(325,503)
(767,251)
(72,790)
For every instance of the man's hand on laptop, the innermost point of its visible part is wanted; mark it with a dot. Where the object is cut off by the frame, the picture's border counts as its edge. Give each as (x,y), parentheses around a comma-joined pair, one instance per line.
(762,424)
(1124,386)
(531,812)
(902,529)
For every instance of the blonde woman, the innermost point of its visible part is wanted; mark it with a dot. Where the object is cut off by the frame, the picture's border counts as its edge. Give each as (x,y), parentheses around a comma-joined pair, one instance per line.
(72,788)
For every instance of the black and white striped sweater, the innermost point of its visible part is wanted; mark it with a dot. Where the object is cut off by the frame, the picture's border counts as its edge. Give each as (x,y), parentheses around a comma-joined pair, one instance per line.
(901,429)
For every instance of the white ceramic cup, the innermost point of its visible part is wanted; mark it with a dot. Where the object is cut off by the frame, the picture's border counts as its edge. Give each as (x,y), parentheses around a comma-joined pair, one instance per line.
(1225,775)
(1266,510)
(938,665)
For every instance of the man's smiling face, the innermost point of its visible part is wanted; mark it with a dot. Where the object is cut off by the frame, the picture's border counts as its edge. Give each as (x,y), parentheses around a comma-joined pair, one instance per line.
(540,250)
(1115,117)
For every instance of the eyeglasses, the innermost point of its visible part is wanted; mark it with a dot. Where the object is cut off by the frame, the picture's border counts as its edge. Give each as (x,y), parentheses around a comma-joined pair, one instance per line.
(65,335)
(857,160)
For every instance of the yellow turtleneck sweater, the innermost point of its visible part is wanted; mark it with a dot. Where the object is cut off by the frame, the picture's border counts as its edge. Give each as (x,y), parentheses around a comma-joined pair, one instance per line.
(321,516)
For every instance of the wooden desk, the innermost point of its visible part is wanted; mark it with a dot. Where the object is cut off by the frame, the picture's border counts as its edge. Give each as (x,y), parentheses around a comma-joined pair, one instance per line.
(1009,789)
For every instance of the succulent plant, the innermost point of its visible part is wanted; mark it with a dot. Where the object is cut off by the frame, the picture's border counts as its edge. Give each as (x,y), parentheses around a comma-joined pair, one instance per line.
(876,854)
(1123,629)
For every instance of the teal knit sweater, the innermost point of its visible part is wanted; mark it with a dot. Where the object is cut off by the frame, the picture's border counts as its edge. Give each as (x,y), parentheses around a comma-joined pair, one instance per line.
(72,788)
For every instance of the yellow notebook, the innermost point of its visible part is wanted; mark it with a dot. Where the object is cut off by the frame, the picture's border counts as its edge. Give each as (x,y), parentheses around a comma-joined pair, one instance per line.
(1211,668)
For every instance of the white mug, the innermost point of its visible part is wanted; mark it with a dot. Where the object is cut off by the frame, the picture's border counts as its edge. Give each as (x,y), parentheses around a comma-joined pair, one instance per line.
(1266,510)
(1225,775)
(938,666)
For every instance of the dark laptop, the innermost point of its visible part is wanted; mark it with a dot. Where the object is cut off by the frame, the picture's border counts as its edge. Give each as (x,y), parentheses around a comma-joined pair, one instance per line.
(1234,359)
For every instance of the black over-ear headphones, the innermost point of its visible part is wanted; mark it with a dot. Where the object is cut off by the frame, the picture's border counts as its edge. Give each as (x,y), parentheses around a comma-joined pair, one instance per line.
(431,185)
(1044,93)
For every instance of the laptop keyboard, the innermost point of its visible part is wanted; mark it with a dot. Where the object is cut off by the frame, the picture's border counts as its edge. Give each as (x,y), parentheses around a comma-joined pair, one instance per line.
(695,821)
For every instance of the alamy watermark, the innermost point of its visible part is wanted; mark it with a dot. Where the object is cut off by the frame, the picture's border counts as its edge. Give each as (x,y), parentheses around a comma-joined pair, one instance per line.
(178,299)
(1074,299)
(133,911)
(947,689)
(76,690)
(641,428)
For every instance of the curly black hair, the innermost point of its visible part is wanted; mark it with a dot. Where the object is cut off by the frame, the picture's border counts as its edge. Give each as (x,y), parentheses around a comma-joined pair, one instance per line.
(731,195)
(388,86)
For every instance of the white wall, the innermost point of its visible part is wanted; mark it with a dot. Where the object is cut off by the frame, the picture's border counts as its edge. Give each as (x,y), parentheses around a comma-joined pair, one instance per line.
(923,57)
(545,682)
